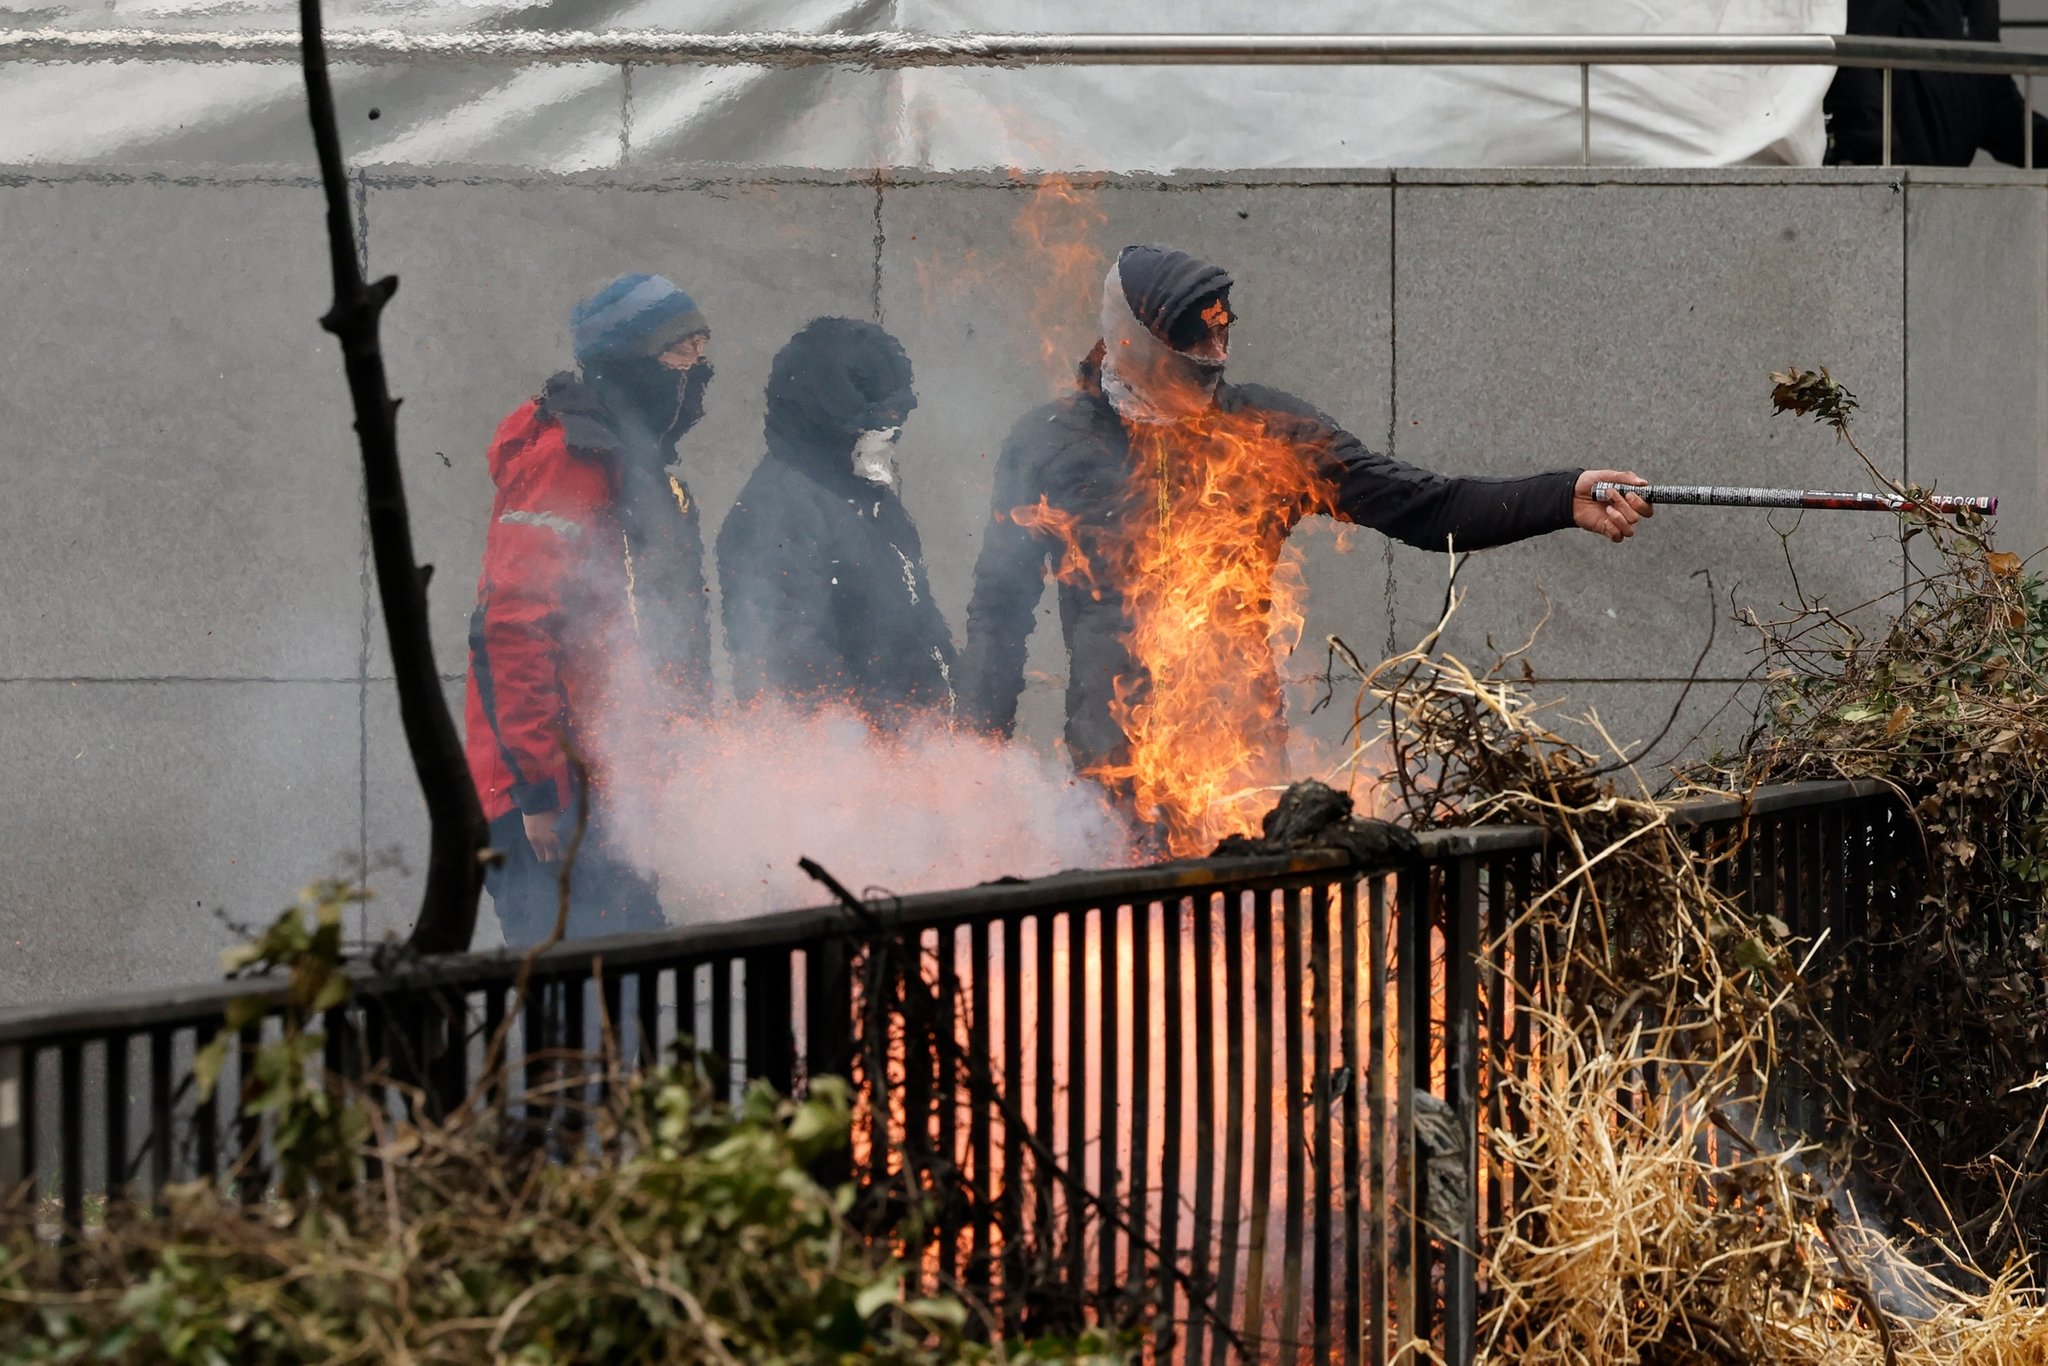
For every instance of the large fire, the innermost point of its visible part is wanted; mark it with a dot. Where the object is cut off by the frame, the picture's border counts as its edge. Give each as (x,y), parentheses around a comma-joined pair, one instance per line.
(1212,600)
(1198,552)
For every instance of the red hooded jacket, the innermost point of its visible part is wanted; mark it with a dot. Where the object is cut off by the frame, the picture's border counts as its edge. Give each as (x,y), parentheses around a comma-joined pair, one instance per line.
(560,606)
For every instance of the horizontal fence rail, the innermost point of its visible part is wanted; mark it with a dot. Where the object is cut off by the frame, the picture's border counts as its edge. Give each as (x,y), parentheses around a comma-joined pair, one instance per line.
(1258,1084)
(899,49)
(896,50)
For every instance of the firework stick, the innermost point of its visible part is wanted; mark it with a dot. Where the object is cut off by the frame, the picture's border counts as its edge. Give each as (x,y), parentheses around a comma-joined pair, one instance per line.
(1726,495)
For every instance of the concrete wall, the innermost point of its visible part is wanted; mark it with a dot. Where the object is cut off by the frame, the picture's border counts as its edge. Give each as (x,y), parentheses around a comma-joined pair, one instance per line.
(195,706)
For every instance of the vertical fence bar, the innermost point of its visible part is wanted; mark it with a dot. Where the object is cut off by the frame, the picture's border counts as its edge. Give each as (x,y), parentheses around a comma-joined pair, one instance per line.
(573,1072)
(647,1007)
(978,1139)
(206,1113)
(537,1106)
(1014,1117)
(1108,1118)
(1856,874)
(1293,903)
(1322,903)
(611,998)
(1412,1020)
(1526,968)
(721,1024)
(828,1026)
(2027,136)
(116,1045)
(1172,1060)
(1887,119)
(1585,114)
(1264,911)
(1834,841)
(1202,1234)
(1043,1081)
(1077,1101)
(71,1134)
(1461,1088)
(1355,1073)
(770,1010)
(690,1043)
(946,1095)
(1226,1235)
(1496,969)
(490,1066)
(161,1129)
(920,1051)
(1379,1259)
(248,1159)
(1138,1175)
(16,1119)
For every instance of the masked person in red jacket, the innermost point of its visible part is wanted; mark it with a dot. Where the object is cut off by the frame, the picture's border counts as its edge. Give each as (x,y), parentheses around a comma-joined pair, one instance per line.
(591,607)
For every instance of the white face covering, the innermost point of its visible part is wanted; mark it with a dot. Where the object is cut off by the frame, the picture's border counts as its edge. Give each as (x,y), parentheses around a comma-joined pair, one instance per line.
(1144,379)
(874,457)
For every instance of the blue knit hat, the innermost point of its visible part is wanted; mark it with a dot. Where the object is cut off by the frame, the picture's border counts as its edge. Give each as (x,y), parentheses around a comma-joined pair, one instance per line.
(634,315)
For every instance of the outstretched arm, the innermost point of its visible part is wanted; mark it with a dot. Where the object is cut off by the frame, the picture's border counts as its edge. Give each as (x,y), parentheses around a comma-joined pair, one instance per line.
(1429,510)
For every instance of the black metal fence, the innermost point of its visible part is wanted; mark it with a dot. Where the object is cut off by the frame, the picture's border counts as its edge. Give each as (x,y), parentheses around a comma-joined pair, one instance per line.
(1250,1088)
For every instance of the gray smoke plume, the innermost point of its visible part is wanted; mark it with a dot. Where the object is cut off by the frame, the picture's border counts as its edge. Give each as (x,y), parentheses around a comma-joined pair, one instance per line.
(722,809)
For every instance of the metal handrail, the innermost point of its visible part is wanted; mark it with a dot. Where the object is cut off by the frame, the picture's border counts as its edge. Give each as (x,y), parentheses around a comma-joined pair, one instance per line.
(896,49)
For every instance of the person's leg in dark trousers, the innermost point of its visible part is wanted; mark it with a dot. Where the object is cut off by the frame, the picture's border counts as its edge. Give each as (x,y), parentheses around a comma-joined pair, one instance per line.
(606,896)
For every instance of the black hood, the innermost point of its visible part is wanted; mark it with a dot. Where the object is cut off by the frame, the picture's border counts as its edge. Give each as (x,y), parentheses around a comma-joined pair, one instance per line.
(1148,297)
(1160,284)
(835,379)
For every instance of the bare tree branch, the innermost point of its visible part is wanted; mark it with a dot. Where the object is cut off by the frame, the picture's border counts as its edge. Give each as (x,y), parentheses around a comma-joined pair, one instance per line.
(460,838)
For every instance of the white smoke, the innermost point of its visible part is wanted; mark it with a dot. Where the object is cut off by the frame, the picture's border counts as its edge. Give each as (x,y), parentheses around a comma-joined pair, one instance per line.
(721,810)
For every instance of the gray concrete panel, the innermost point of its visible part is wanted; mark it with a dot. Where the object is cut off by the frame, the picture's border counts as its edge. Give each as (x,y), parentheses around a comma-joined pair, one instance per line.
(395,830)
(488,275)
(1977,348)
(182,490)
(135,811)
(1635,326)
(995,289)
(1653,728)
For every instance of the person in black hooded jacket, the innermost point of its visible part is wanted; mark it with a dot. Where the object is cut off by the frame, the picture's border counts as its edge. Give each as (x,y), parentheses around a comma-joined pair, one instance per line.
(1939,118)
(1068,484)
(822,577)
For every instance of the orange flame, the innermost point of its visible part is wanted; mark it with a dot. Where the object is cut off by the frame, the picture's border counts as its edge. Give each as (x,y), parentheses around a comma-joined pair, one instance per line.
(1059,230)
(1043,517)
(1057,235)
(1209,596)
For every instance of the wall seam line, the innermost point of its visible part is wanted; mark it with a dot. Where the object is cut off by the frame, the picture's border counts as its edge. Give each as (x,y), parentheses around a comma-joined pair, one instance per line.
(1393,389)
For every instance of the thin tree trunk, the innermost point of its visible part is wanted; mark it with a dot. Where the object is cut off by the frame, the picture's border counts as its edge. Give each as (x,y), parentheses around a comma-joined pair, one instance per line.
(460,837)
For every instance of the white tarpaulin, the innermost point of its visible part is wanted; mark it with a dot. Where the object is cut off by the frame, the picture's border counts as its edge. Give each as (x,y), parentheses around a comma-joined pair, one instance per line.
(586,116)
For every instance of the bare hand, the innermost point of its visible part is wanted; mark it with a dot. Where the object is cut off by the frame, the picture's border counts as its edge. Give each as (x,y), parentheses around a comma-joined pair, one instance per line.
(541,834)
(1615,520)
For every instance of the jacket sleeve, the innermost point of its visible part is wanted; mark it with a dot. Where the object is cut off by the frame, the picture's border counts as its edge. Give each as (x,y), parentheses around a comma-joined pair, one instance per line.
(1009,577)
(515,644)
(1418,506)
(695,607)
(1430,510)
